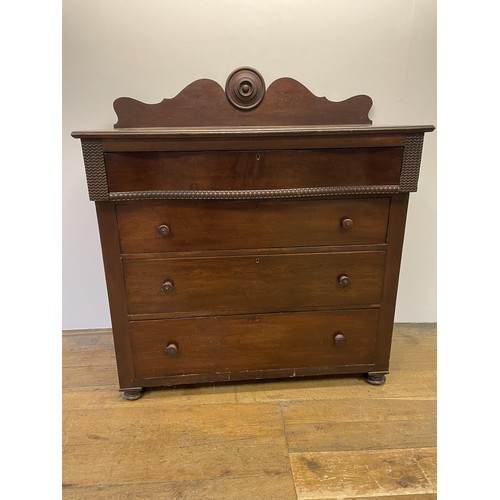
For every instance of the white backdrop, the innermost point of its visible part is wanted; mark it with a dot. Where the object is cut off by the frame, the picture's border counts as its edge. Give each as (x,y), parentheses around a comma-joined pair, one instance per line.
(151,50)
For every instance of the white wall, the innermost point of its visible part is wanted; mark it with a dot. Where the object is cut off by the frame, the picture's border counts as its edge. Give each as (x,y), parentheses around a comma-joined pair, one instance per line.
(153,49)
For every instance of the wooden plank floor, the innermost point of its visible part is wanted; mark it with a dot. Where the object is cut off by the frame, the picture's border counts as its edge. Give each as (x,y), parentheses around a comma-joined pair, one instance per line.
(326,438)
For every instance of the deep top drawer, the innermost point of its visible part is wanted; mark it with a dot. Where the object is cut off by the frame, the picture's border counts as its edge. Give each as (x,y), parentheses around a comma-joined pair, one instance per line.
(251,170)
(171,226)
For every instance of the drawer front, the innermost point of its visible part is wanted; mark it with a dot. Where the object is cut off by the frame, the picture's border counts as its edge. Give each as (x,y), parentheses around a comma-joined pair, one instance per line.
(191,286)
(249,170)
(242,224)
(245,343)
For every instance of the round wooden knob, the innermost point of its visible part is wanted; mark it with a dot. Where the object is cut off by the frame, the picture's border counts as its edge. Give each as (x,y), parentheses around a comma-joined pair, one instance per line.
(167,287)
(346,223)
(245,89)
(171,349)
(339,339)
(163,230)
(344,281)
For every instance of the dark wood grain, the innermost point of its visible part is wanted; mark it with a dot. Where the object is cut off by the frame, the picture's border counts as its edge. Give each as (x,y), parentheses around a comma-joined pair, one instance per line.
(395,237)
(257,342)
(206,287)
(253,170)
(249,224)
(254,283)
(204,103)
(110,244)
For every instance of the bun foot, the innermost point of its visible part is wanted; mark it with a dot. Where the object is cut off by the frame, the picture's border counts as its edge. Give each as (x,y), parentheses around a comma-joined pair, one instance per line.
(374,378)
(133,394)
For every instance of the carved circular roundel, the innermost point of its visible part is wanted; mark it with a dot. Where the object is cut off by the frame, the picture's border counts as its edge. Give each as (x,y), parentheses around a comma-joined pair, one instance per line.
(245,88)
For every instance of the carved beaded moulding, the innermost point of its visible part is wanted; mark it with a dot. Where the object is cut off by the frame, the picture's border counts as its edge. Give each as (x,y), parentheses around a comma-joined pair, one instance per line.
(95,169)
(250,194)
(410,170)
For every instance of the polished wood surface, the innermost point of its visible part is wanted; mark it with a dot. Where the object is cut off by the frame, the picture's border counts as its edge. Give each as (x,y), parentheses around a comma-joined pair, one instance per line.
(117,297)
(253,283)
(395,237)
(191,266)
(281,440)
(346,135)
(256,342)
(250,224)
(252,170)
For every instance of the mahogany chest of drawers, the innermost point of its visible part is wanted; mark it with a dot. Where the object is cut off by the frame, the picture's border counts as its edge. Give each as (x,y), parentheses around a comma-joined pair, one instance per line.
(250,234)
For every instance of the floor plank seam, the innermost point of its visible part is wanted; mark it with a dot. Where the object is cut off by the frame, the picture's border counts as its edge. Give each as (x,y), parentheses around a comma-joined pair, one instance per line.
(428,448)
(287,448)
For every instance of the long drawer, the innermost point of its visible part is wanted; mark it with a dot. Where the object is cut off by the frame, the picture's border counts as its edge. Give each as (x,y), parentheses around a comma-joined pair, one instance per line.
(183,226)
(250,283)
(257,342)
(251,170)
